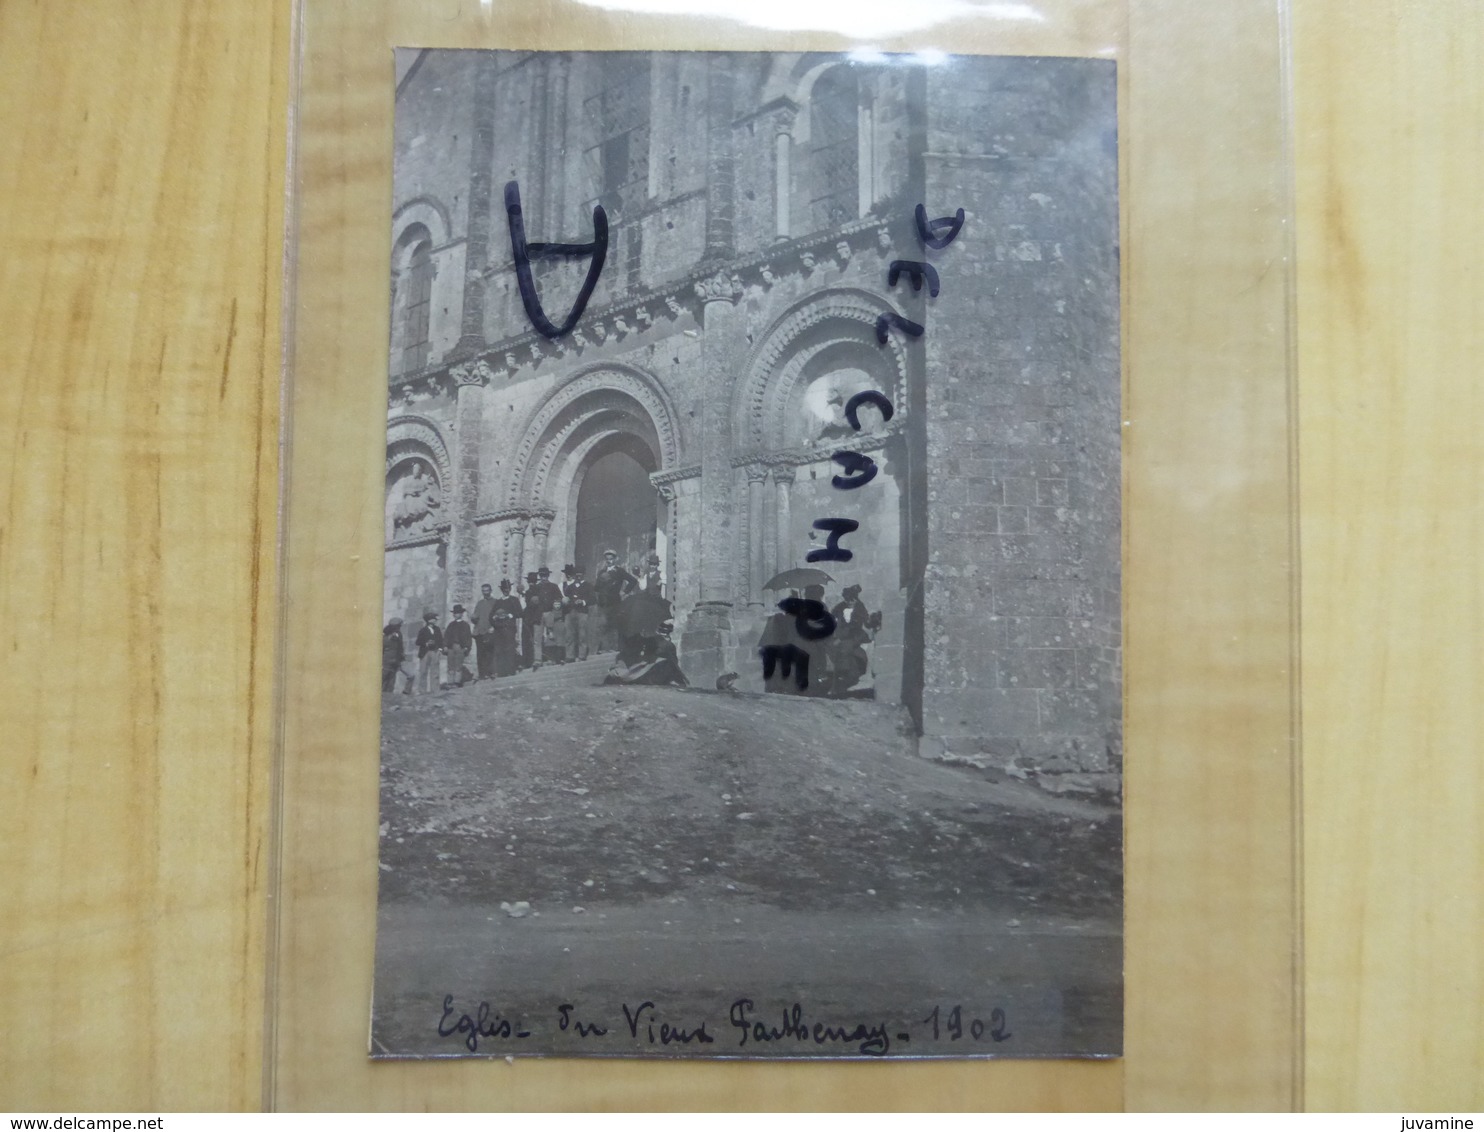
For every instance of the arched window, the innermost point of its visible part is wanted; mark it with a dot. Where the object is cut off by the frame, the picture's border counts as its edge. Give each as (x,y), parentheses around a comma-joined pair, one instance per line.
(417,301)
(834,149)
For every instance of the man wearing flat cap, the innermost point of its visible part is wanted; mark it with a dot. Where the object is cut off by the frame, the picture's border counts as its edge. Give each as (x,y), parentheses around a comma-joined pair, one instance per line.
(458,640)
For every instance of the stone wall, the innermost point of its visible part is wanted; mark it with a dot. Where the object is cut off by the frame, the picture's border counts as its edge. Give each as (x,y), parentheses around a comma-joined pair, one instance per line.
(1022,664)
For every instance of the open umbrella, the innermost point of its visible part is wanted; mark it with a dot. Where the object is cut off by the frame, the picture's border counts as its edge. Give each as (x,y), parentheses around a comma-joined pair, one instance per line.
(798,578)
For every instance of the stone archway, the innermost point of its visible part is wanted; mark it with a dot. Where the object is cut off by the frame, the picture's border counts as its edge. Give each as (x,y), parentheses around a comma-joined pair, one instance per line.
(788,416)
(599,418)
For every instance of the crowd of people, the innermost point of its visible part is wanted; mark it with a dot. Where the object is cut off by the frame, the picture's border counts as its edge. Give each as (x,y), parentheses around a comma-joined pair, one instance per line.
(539,624)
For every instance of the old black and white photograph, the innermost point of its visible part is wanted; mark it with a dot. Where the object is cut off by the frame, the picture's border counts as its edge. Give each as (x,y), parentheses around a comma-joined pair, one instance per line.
(751,661)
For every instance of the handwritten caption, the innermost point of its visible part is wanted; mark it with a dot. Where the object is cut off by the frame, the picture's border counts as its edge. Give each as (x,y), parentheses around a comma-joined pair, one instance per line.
(747,1025)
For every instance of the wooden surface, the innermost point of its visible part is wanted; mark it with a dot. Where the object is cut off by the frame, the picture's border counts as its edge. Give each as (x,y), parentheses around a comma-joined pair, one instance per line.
(141,171)
(1391,333)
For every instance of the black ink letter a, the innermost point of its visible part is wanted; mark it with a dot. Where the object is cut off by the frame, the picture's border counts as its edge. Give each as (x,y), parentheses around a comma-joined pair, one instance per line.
(523,252)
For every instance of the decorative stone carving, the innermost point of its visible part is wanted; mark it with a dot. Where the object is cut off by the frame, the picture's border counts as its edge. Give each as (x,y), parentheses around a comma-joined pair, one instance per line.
(528,471)
(842,252)
(779,361)
(476,372)
(418,507)
(721,287)
(806,260)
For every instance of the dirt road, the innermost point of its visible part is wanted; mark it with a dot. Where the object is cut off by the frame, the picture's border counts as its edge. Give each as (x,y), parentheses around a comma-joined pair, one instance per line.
(695,850)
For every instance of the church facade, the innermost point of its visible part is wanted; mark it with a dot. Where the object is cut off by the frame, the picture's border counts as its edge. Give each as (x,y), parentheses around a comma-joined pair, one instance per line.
(756,203)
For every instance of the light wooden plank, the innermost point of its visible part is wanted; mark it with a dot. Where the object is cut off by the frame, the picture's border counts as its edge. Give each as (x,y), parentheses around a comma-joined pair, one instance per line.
(1390,105)
(141,172)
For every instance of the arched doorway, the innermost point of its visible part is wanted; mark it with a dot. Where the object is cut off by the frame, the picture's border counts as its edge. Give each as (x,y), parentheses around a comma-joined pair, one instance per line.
(617,506)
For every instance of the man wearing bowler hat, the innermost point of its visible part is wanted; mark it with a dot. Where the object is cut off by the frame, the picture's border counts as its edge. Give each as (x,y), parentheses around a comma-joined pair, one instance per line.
(458,640)
(429,652)
(577,598)
(504,626)
(530,623)
(550,596)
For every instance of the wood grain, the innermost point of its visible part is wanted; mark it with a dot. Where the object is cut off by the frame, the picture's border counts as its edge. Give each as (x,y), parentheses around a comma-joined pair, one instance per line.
(1391,331)
(140,170)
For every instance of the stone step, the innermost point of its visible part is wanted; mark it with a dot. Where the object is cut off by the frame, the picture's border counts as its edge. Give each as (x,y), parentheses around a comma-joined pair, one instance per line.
(582,673)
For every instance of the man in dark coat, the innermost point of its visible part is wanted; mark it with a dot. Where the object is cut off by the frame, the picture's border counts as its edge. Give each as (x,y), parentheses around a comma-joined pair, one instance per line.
(429,653)
(394,658)
(505,623)
(652,582)
(610,587)
(457,641)
(577,598)
(530,623)
(484,633)
(549,595)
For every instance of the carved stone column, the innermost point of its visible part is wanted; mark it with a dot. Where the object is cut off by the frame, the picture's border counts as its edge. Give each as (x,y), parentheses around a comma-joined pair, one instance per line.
(721,160)
(666,492)
(783,520)
(515,551)
(783,181)
(463,542)
(757,475)
(481,177)
(540,531)
(708,641)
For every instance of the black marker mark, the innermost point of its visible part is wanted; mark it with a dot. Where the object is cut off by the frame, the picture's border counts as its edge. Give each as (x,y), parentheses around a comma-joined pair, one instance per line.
(927,230)
(860,470)
(832,551)
(890,319)
(916,271)
(791,658)
(484,1023)
(584,1029)
(868,397)
(812,619)
(523,252)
